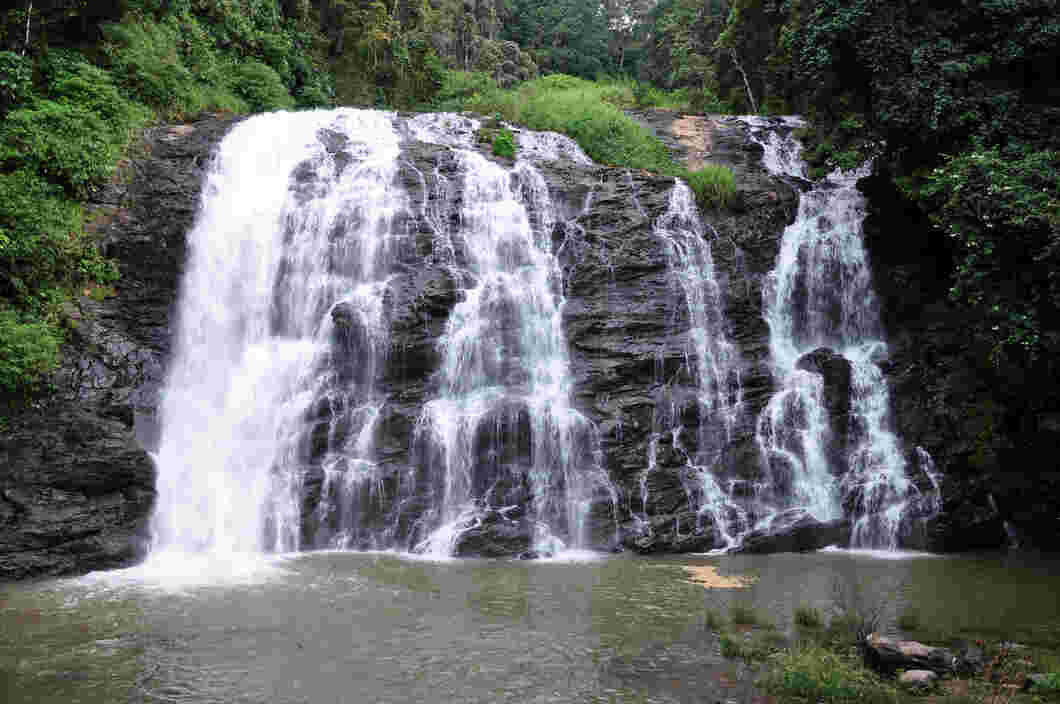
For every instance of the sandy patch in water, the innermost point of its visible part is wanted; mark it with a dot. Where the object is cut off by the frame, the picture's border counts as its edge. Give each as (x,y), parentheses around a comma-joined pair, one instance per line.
(707,575)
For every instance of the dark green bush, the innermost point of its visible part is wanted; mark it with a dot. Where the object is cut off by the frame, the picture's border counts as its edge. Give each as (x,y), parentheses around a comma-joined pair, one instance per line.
(29,349)
(37,226)
(261,87)
(808,617)
(146,57)
(16,84)
(69,144)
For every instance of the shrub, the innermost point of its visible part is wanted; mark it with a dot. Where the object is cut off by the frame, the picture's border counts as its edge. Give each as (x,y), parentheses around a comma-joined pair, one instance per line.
(813,674)
(808,617)
(1047,684)
(756,647)
(261,87)
(69,144)
(29,350)
(504,144)
(574,107)
(714,186)
(743,615)
(16,84)
(145,56)
(38,230)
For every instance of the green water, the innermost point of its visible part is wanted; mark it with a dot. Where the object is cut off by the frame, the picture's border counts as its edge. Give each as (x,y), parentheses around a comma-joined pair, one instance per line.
(345,627)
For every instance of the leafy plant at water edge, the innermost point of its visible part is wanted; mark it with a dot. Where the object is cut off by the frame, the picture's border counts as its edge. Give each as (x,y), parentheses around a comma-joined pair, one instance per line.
(808,617)
(743,615)
(1047,684)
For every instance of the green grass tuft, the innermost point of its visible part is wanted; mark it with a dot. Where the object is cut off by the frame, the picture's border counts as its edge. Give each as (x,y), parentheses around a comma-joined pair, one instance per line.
(714,186)
(743,615)
(808,617)
(813,674)
(504,144)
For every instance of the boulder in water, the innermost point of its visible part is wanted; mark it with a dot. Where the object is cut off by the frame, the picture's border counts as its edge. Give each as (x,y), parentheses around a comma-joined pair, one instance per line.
(494,535)
(796,531)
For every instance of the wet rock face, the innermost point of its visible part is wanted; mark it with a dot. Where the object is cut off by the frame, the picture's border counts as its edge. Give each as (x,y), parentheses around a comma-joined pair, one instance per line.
(76,482)
(496,534)
(986,423)
(625,319)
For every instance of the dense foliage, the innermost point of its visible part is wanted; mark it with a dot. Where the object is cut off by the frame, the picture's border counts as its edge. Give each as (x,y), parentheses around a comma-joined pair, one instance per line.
(77,80)
(957,103)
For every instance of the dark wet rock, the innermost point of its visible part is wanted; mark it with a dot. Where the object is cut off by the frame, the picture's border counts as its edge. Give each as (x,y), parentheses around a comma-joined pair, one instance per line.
(970,660)
(494,535)
(679,532)
(889,655)
(796,531)
(836,372)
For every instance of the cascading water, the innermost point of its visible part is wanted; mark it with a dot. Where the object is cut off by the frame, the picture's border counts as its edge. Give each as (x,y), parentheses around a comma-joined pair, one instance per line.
(502,432)
(827,451)
(273,403)
(269,287)
(712,363)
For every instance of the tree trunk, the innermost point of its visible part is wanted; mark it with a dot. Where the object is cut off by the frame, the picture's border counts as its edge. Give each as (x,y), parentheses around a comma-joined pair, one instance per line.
(746,83)
(29,14)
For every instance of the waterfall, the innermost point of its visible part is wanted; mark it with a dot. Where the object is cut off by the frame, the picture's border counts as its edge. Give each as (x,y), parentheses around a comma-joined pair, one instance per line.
(712,364)
(502,434)
(266,290)
(273,402)
(826,435)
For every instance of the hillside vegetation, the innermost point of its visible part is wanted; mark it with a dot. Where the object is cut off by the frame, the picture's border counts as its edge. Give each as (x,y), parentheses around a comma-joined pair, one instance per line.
(956,103)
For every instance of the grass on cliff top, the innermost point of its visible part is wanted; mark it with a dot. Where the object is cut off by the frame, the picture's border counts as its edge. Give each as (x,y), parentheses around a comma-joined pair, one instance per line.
(590,112)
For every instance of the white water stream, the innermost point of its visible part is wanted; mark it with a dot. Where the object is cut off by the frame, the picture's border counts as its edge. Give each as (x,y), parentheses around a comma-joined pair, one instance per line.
(820,295)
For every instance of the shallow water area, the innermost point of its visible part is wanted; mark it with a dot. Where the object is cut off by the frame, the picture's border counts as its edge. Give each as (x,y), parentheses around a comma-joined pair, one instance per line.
(373,627)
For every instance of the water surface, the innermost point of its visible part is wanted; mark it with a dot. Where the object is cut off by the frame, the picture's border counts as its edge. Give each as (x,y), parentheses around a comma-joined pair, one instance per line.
(356,627)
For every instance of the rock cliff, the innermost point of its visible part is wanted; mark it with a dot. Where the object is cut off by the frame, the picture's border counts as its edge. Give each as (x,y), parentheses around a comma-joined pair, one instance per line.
(77,482)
